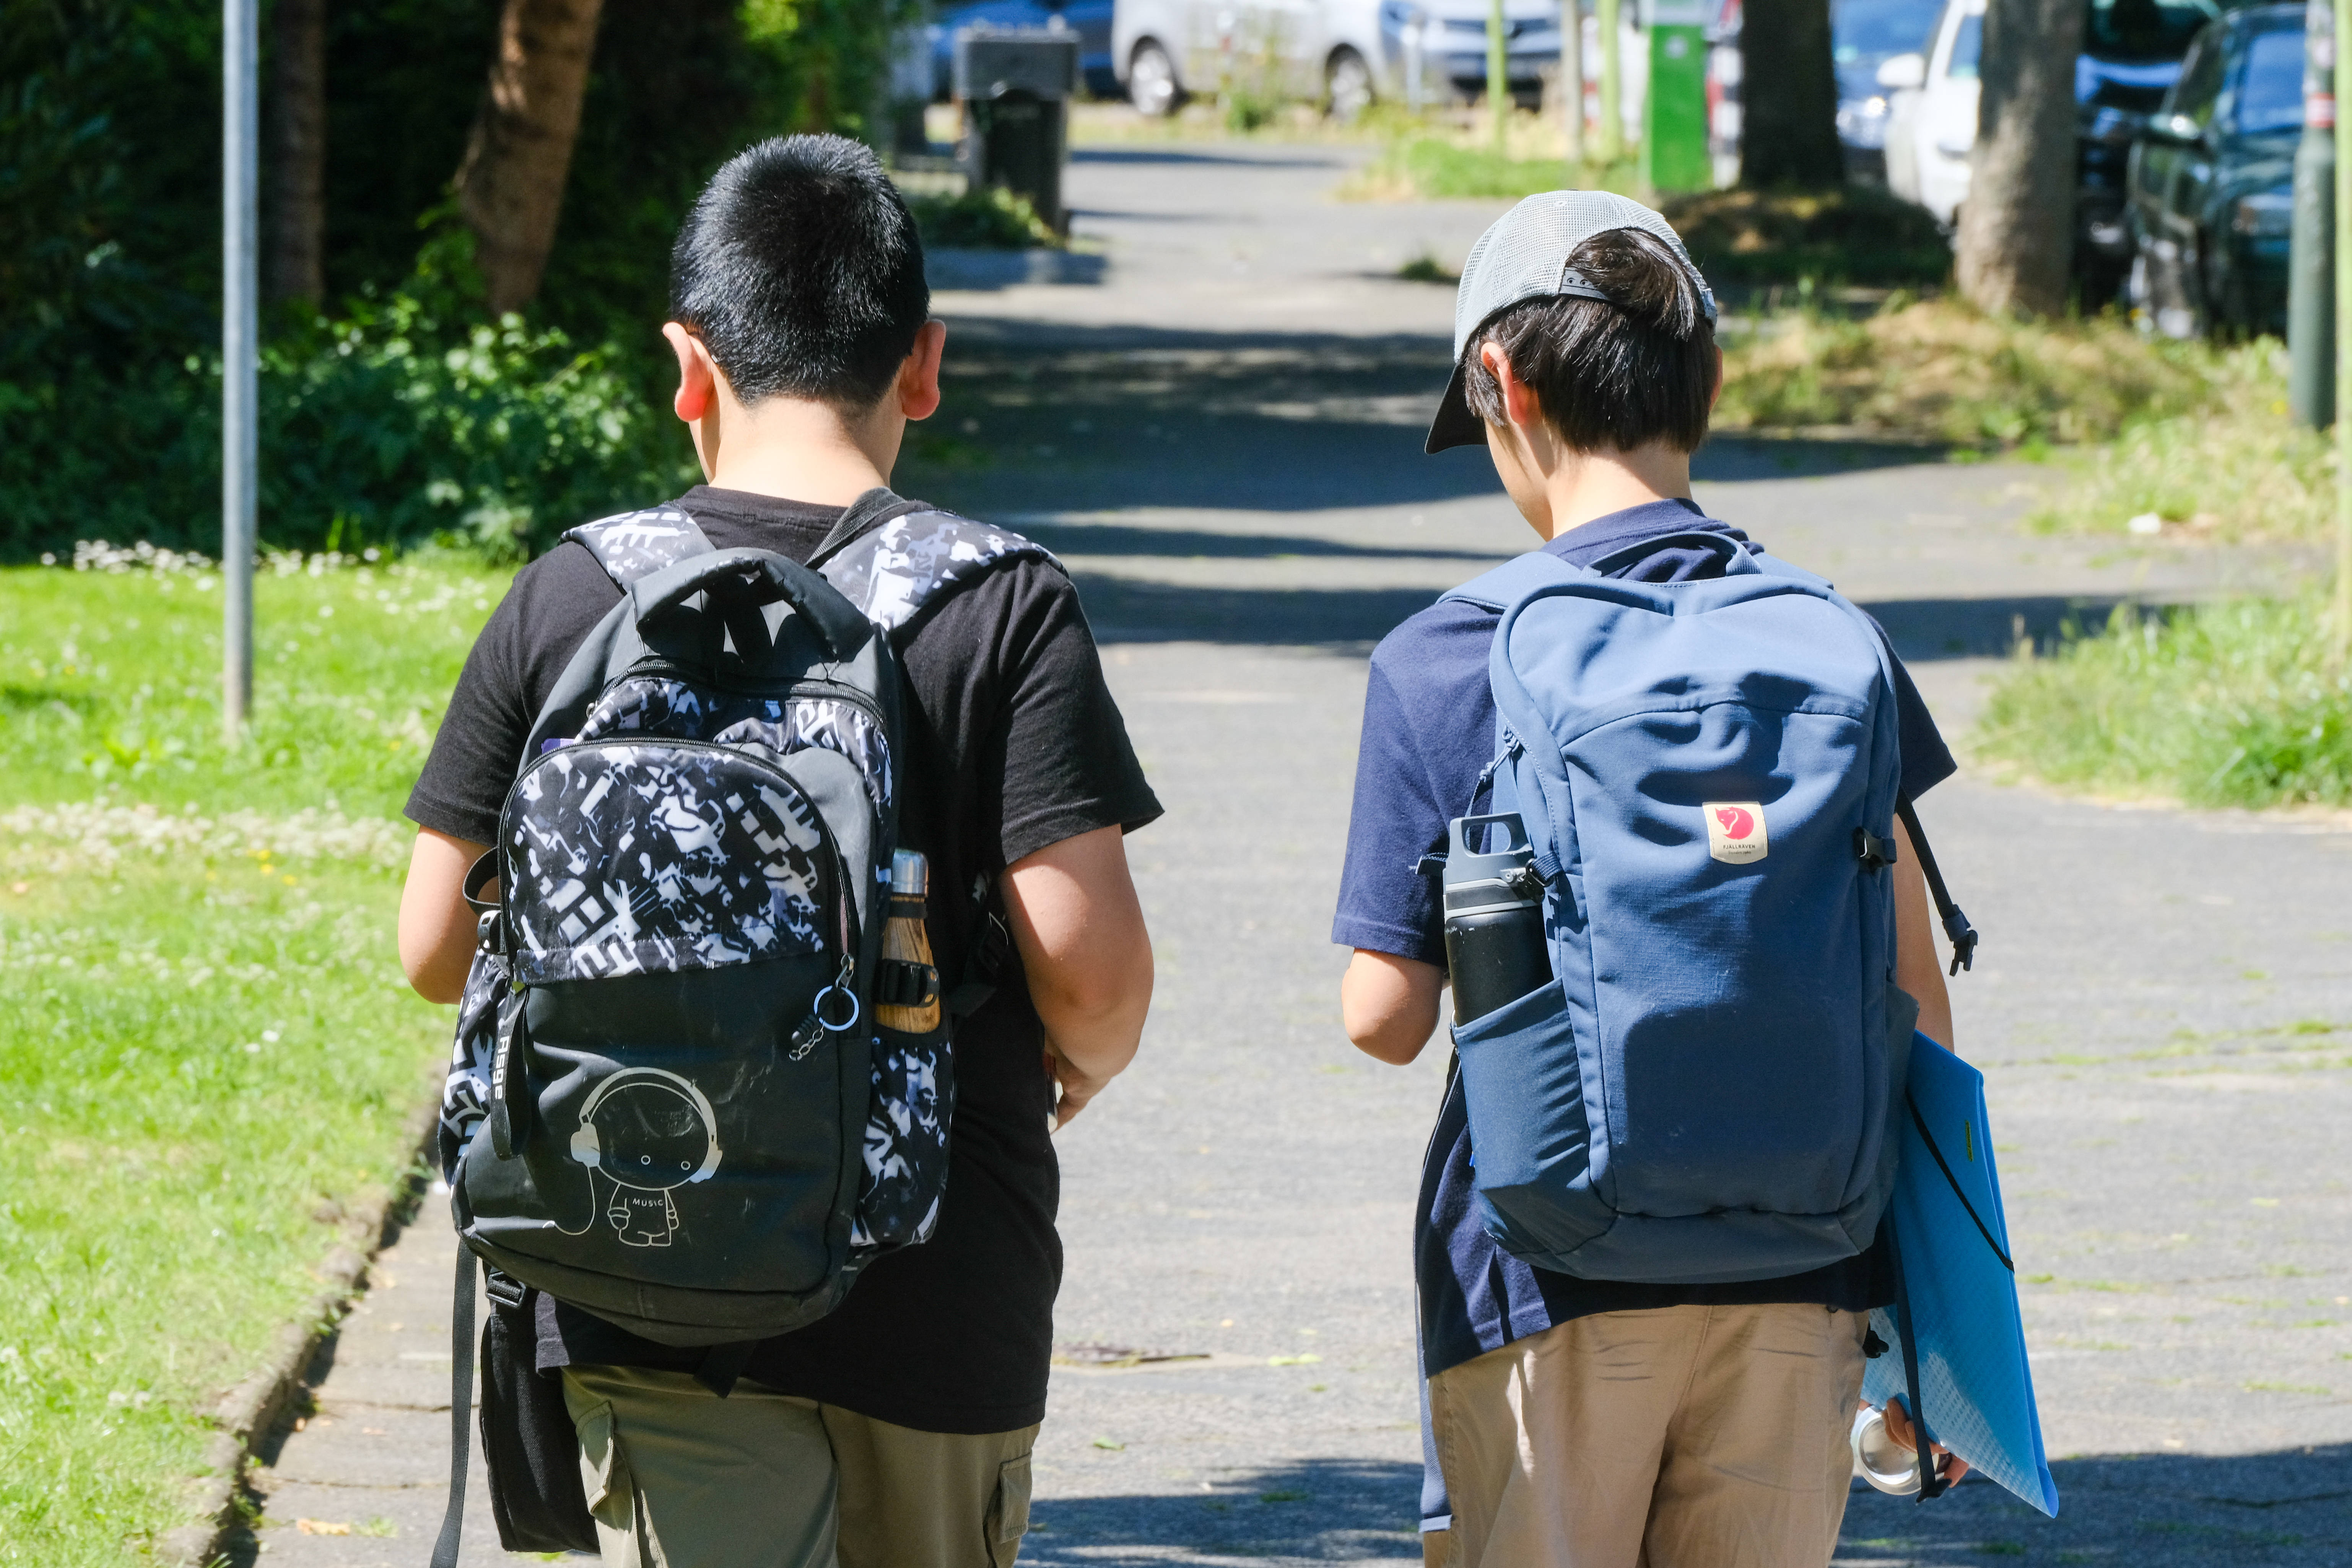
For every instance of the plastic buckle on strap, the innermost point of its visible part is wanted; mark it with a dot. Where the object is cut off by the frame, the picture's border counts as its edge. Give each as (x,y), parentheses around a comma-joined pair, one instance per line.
(1873,852)
(503,1289)
(1963,938)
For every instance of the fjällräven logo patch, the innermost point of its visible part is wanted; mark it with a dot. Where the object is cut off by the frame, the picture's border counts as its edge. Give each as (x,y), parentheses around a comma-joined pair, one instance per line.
(1734,831)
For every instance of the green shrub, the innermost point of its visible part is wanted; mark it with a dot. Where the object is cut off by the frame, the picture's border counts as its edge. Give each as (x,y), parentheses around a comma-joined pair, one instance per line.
(387,427)
(2224,704)
(992,218)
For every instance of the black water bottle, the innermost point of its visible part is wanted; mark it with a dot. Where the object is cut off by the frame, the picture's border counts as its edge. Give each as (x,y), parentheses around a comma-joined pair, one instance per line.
(1495,946)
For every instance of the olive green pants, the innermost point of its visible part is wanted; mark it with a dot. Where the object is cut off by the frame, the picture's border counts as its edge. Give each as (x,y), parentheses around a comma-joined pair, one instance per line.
(678,1478)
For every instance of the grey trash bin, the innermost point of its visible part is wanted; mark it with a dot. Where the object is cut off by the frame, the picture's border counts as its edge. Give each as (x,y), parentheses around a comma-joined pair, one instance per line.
(1016,86)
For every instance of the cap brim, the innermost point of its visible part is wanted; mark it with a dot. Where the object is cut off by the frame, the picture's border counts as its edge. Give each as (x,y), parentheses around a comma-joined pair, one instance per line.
(1454,425)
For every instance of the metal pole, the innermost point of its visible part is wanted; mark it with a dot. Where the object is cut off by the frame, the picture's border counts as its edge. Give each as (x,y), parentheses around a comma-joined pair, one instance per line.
(2343,617)
(240,348)
(1498,75)
(2310,270)
(1613,120)
(1572,85)
(1415,97)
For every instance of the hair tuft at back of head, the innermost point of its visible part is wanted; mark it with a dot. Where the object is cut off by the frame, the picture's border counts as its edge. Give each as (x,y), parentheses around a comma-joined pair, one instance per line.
(1618,374)
(801,270)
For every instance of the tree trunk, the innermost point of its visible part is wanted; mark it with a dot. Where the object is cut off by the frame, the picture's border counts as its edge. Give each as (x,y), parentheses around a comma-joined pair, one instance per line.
(2017,226)
(511,185)
(1788,96)
(294,261)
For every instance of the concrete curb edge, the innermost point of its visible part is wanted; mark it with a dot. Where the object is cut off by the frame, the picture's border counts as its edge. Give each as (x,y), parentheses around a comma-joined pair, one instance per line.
(247,1414)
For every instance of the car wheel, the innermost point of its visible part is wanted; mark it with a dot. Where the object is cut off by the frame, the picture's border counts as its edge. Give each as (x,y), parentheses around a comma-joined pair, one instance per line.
(1151,83)
(1347,85)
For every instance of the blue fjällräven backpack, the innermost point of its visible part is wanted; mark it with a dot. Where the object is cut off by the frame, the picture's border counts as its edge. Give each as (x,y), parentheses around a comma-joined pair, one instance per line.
(669,1103)
(1707,773)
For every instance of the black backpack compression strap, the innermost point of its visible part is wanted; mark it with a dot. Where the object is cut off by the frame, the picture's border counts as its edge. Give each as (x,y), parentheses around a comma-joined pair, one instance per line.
(461,1408)
(1956,925)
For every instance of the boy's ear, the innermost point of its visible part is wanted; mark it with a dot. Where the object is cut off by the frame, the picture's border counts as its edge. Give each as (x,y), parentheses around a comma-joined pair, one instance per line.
(918,386)
(697,374)
(1520,405)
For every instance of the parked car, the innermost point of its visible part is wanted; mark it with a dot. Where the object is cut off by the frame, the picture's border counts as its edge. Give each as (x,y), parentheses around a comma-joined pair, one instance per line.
(1931,118)
(1863,35)
(2132,52)
(1090,18)
(1342,53)
(2211,181)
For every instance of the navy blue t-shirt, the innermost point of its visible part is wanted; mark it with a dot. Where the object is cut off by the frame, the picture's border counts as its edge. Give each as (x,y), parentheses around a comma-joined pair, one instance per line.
(1428,730)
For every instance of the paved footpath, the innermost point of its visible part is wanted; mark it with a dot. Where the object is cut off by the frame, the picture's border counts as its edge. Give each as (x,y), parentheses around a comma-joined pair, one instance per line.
(1221,439)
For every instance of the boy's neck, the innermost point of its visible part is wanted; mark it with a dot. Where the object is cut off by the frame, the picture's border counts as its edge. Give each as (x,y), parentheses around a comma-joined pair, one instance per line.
(1588,485)
(797,449)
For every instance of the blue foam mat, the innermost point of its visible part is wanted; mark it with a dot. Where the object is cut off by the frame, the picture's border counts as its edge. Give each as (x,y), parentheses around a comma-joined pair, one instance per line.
(1974,1380)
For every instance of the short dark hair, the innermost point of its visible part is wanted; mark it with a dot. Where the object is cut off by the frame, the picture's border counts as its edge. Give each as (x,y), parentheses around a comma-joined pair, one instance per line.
(801,270)
(1616,375)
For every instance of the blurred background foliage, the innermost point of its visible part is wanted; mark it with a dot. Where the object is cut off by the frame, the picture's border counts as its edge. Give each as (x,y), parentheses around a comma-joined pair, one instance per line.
(396,412)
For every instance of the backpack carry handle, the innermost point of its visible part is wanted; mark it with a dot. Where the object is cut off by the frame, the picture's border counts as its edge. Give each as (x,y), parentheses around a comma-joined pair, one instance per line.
(750,579)
(1734,556)
(1463,827)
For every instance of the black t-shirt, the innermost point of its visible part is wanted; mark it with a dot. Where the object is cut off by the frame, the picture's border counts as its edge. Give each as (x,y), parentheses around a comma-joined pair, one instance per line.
(1013,743)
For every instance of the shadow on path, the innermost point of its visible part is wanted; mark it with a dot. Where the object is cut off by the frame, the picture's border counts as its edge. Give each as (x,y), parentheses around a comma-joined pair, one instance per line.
(1318,1510)
(1057,416)
(2293,1510)
(1123,609)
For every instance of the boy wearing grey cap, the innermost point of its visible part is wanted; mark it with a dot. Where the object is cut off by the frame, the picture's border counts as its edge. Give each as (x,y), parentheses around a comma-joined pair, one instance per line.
(1580,1423)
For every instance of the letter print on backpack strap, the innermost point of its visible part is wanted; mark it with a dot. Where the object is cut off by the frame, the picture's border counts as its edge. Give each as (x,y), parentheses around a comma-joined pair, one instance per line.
(466,1091)
(639,543)
(891,571)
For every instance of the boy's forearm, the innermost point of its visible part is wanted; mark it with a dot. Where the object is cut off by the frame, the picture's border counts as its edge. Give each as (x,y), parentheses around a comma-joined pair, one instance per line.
(1390,1004)
(437,930)
(1084,949)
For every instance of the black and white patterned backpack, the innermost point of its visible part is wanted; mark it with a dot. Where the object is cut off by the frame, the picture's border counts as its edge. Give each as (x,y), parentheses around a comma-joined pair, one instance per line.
(670,1104)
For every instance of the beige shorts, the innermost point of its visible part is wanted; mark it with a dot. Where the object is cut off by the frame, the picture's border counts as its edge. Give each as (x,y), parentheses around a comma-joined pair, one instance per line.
(678,1478)
(1678,1437)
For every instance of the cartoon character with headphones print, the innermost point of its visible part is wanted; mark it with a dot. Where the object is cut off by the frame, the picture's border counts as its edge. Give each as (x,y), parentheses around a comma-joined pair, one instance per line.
(648,1132)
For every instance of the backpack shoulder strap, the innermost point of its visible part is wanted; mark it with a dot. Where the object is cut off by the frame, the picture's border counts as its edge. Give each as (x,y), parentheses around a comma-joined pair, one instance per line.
(636,544)
(1503,586)
(894,558)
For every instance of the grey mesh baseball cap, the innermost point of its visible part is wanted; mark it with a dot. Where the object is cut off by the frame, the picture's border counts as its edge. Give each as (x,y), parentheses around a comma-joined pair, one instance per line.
(1524,256)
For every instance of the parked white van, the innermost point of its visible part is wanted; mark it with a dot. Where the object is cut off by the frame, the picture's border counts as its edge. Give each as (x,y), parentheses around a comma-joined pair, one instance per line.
(1342,53)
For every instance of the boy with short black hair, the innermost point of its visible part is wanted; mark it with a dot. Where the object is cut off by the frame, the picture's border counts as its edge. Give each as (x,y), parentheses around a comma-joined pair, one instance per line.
(895,1432)
(1592,1423)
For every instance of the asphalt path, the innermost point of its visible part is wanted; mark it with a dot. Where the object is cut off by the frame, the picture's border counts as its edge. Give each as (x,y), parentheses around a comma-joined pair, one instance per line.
(1221,437)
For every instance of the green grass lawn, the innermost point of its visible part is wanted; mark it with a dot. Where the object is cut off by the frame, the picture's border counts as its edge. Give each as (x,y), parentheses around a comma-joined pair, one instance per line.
(208,1043)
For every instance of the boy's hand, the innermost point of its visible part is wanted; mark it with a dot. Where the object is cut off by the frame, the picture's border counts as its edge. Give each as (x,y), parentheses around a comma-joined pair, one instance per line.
(1076,1087)
(1898,1426)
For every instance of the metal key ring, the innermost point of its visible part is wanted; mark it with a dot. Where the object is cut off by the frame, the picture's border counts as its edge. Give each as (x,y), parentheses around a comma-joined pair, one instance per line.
(817,1008)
